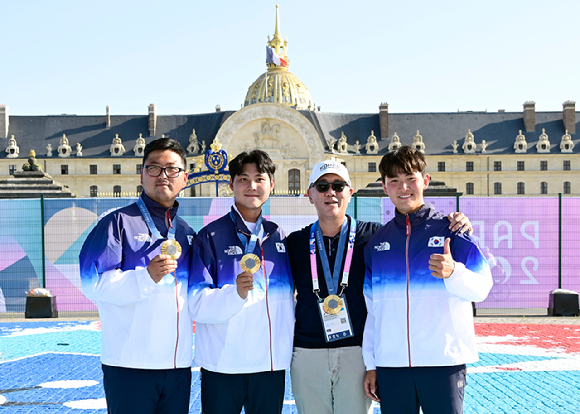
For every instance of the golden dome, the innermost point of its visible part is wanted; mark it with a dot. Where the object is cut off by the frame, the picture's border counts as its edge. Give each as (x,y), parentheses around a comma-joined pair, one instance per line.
(278,85)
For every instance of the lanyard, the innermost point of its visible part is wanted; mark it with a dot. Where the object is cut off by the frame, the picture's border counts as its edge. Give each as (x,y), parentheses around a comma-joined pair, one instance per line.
(251,245)
(151,224)
(332,280)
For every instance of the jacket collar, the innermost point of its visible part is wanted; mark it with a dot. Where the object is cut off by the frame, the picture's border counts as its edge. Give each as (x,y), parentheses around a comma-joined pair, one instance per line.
(426,211)
(156,209)
(269,227)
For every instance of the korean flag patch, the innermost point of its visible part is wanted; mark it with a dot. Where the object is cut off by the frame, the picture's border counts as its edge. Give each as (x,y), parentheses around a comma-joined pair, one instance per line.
(436,241)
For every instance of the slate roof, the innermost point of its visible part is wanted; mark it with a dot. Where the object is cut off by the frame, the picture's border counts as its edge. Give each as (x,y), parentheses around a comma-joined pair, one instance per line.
(498,129)
(355,126)
(439,130)
(36,132)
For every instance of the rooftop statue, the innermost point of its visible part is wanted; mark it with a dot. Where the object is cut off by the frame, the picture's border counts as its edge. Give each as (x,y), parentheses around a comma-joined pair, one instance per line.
(12,149)
(520,145)
(395,142)
(372,147)
(566,145)
(64,149)
(193,147)
(418,143)
(117,149)
(469,144)
(543,144)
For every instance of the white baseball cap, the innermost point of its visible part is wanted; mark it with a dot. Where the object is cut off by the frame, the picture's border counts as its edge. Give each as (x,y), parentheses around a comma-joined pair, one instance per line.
(328,167)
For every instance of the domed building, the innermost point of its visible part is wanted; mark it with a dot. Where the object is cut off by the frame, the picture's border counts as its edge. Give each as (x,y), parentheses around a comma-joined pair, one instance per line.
(479,153)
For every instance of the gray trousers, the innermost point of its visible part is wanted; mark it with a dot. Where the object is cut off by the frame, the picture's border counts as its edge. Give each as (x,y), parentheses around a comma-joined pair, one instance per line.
(329,381)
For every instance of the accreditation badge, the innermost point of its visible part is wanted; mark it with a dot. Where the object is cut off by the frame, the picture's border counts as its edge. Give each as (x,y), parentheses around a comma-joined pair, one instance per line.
(335,318)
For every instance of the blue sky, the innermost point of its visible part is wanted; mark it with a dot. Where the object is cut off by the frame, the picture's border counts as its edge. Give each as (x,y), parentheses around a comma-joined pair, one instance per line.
(77,57)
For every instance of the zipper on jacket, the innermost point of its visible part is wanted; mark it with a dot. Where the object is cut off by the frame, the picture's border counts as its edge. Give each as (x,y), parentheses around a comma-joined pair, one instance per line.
(177,310)
(408,228)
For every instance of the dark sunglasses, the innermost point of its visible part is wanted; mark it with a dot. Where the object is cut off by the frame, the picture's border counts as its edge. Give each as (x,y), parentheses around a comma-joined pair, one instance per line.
(337,186)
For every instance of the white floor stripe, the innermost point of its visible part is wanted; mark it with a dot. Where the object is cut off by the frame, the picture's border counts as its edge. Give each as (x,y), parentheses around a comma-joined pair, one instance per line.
(69,384)
(93,404)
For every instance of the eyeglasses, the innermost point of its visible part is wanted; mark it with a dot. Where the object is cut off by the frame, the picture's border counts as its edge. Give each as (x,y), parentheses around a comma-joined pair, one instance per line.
(170,172)
(337,186)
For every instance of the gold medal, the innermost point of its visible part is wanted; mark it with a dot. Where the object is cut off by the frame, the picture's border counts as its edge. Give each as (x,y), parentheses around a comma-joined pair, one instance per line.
(171,248)
(250,263)
(332,304)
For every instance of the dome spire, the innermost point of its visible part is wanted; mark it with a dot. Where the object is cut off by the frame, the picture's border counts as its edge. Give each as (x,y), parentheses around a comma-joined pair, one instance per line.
(276,32)
(277,85)
(278,45)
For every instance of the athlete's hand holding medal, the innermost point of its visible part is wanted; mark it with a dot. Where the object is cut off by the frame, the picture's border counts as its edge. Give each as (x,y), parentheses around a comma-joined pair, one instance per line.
(165,263)
(250,262)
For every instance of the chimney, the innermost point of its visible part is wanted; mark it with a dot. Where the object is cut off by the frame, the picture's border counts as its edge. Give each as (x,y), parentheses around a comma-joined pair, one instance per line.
(108,121)
(384,120)
(152,120)
(569,116)
(530,116)
(218,108)
(4,121)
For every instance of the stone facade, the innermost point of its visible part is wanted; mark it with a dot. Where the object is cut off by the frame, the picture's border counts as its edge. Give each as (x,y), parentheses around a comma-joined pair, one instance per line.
(297,140)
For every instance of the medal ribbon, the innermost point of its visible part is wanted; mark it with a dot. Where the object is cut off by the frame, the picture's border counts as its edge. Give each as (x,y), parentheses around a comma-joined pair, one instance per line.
(251,245)
(149,221)
(332,281)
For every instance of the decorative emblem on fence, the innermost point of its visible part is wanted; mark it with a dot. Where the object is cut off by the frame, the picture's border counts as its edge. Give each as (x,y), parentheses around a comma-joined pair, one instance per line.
(213,169)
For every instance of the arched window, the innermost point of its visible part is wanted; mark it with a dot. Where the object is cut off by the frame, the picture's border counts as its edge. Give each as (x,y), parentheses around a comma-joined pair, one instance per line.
(567,187)
(497,188)
(294,180)
(521,188)
(543,187)
(94,191)
(139,190)
(117,191)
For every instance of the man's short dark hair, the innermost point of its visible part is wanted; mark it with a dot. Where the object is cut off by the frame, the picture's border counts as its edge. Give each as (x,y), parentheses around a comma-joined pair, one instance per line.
(264,163)
(165,144)
(404,159)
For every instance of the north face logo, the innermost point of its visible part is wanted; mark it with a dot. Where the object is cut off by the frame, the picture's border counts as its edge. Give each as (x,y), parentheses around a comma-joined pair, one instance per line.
(233,251)
(384,246)
(143,237)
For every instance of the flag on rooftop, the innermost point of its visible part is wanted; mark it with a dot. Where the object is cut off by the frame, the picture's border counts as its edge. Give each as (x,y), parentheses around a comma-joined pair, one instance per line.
(273,57)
